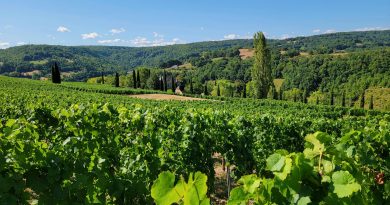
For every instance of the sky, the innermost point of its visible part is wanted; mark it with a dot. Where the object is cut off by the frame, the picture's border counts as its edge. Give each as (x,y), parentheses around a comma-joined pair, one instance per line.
(164,22)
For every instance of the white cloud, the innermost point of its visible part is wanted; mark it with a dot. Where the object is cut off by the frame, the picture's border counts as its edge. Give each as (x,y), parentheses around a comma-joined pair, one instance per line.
(109,41)
(285,36)
(157,35)
(330,31)
(20,43)
(316,30)
(117,30)
(140,41)
(231,36)
(89,35)
(62,29)
(158,40)
(378,28)
(4,45)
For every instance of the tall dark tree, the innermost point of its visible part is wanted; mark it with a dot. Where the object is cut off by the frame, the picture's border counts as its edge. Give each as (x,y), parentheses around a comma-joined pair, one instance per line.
(244,91)
(165,81)
(173,86)
(343,100)
(305,96)
(317,101)
(161,83)
(134,79)
(218,91)
(281,94)
(191,87)
(261,71)
(138,80)
(55,73)
(274,93)
(102,77)
(331,98)
(371,105)
(362,99)
(116,81)
(205,92)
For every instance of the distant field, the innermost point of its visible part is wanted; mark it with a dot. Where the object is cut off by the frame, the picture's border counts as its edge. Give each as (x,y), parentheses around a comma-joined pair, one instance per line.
(246,53)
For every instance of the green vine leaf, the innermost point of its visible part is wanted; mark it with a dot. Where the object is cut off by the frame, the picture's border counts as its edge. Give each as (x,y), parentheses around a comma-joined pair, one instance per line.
(344,184)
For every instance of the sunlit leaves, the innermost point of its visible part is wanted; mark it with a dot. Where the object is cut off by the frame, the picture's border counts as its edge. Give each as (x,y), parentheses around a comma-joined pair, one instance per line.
(193,192)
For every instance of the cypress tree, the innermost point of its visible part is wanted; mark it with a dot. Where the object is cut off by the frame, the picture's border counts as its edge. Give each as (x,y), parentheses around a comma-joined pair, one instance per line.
(191,87)
(305,95)
(295,97)
(351,103)
(161,84)
(173,87)
(281,94)
(116,82)
(261,71)
(343,100)
(138,80)
(317,101)
(331,98)
(371,105)
(362,99)
(134,79)
(102,77)
(244,93)
(55,73)
(165,81)
(218,91)
(205,89)
(274,93)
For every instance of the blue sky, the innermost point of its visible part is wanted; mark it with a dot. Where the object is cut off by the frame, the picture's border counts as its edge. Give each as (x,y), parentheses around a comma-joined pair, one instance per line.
(164,22)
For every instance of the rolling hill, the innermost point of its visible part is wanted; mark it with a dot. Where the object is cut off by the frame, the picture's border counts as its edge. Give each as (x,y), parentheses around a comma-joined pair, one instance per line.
(80,62)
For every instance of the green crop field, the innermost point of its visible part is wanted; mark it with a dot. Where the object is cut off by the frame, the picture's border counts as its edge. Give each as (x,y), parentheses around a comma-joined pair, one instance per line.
(76,143)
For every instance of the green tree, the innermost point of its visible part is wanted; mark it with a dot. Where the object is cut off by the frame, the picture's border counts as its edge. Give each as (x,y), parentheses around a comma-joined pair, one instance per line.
(218,91)
(281,94)
(343,100)
(244,91)
(134,79)
(261,71)
(205,92)
(116,81)
(331,98)
(362,99)
(165,81)
(173,87)
(102,78)
(305,96)
(191,87)
(138,80)
(371,105)
(55,73)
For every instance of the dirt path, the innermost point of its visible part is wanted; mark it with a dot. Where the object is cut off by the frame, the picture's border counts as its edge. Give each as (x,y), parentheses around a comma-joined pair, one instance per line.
(164,97)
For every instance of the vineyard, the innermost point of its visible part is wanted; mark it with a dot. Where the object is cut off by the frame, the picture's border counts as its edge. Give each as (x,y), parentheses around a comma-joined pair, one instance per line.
(87,144)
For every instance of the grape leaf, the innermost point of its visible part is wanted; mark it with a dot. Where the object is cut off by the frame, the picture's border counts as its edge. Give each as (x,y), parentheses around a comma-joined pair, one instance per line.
(275,162)
(344,184)
(163,190)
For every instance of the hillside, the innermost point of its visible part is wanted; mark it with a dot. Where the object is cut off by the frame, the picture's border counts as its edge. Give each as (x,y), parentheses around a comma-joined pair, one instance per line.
(80,62)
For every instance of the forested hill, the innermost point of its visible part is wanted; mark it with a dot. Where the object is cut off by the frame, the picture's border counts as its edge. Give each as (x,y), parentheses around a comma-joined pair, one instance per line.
(91,60)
